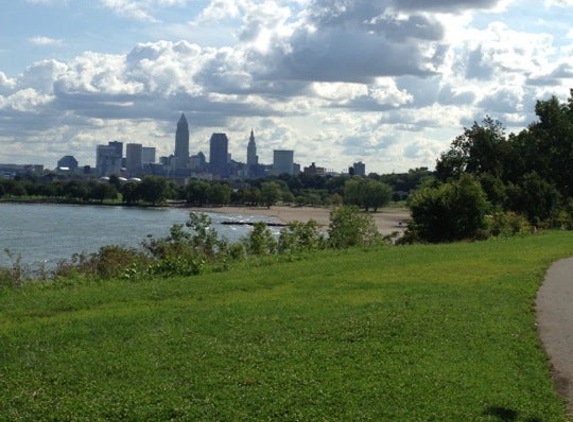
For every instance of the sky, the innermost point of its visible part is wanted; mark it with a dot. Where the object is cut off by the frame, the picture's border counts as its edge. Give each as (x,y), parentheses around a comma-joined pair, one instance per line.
(387,82)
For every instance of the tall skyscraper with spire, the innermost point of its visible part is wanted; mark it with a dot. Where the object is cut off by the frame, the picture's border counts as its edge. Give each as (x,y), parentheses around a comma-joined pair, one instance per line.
(182,143)
(252,157)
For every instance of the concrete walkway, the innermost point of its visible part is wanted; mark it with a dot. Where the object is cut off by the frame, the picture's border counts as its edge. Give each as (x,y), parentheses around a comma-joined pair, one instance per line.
(554,305)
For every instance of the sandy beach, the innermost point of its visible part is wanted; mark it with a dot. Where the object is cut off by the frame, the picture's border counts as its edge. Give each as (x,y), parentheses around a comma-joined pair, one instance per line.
(387,220)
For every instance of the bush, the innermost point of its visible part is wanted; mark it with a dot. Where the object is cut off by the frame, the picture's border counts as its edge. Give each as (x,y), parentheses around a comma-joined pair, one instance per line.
(349,227)
(451,211)
(260,241)
(301,237)
(506,224)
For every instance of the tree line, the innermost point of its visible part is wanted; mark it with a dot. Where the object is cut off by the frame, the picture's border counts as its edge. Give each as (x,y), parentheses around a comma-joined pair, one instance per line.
(371,192)
(489,183)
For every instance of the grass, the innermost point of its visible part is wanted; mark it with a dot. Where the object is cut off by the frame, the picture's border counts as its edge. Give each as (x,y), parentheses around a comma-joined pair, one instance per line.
(415,333)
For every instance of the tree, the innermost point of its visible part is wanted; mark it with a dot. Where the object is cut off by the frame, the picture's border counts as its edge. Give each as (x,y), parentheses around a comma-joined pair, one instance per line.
(533,197)
(219,194)
(480,149)
(102,191)
(452,211)
(349,227)
(196,192)
(131,192)
(367,193)
(550,146)
(270,193)
(352,194)
(375,194)
(76,189)
(154,189)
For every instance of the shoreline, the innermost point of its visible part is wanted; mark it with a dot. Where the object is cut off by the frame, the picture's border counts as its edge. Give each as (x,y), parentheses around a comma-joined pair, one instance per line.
(387,220)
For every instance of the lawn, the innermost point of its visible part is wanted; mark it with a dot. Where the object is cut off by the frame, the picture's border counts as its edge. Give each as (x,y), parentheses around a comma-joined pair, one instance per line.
(412,333)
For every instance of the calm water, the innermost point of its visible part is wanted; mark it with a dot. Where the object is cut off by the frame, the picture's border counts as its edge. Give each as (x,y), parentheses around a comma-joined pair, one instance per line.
(45,234)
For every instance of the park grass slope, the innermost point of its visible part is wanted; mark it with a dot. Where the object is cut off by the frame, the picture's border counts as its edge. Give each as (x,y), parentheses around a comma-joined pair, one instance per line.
(413,333)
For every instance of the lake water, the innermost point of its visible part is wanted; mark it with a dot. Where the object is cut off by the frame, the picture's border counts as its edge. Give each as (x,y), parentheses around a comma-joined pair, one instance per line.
(43,234)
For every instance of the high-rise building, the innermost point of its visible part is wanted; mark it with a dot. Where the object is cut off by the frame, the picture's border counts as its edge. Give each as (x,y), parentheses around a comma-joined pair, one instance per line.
(218,154)
(182,143)
(133,159)
(252,157)
(358,169)
(147,155)
(283,161)
(198,162)
(108,161)
(118,147)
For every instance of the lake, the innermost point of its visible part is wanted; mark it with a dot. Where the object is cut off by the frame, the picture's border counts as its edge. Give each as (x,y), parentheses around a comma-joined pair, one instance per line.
(43,234)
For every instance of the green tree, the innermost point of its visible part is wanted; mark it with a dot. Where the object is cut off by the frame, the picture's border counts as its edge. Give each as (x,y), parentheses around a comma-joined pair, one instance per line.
(549,146)
(76,189)
(480,149)
(533,197)
(367,193)
(349,227)
(452,211)
(352,192)
(197,192)
(270,193)
(375,194)
(154,189)
(252,196)
(219,194)
(102,191)
(131,192)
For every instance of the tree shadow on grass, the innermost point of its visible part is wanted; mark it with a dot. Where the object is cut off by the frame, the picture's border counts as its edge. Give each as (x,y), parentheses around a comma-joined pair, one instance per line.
(506,415)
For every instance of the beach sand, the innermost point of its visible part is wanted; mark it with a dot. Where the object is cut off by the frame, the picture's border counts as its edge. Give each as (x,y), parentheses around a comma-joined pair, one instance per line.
(388,220)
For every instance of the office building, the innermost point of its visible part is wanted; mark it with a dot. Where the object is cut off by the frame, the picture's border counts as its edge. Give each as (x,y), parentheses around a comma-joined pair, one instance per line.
(358,169)
(182,143)
(283,161)
(133,153)
(219,155)
(108,161)
(118,147)
(147,155)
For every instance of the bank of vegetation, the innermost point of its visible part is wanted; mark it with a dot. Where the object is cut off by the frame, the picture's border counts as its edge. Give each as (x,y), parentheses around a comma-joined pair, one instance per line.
(424,332)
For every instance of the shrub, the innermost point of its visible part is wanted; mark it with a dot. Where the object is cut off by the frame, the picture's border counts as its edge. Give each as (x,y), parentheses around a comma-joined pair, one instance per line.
(260,241)
(298,237)
(507,224)
(349,227)
(451,211)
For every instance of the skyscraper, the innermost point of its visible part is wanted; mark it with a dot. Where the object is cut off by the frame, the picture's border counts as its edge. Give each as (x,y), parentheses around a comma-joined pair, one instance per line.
(252,157)
(108,161)
(283,161)
(218,154)
(182,143)
(133,159)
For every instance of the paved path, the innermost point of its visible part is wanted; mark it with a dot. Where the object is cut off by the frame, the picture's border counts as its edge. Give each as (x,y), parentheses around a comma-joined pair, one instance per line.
(554,305)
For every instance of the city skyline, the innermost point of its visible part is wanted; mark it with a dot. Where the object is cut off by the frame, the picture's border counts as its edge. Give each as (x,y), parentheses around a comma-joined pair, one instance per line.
(387,82)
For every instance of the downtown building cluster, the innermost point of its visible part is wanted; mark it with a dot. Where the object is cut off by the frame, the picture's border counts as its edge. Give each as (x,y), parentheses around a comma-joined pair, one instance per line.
(140,160)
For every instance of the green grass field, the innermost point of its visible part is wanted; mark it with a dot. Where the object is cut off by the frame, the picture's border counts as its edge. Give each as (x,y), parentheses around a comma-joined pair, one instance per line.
(413,333)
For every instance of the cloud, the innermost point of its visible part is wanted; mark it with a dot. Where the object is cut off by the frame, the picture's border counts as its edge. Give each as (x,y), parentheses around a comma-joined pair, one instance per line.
(384,81)
(6,84)
(558,3)
(46,41)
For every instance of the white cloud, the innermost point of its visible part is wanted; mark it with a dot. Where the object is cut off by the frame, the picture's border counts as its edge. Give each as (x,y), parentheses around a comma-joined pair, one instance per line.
(558,3)
(388,82)
(46,41)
